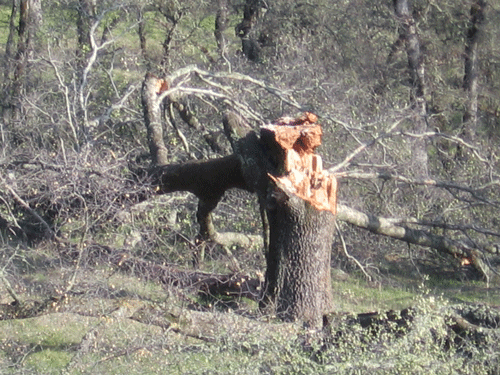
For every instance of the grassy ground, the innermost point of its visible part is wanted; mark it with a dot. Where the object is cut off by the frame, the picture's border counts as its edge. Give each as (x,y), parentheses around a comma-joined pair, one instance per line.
(114,323)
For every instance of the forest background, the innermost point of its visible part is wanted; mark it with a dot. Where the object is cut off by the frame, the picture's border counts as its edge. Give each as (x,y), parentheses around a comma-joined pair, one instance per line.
(408,94)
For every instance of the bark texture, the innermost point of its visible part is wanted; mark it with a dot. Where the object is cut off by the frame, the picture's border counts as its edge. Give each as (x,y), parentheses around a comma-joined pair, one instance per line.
(408,34)
(298,273)
(152,86)
(221,20)
(471,68)
(246,31)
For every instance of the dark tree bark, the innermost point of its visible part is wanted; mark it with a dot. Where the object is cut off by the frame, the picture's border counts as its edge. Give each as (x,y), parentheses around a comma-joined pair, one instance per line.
(408,33)
(298,262)
(221,21)
(7,102)
(21,58)
(246,31)
(172,16)
(471,76)
(9,47)
(29,20)
(85,15)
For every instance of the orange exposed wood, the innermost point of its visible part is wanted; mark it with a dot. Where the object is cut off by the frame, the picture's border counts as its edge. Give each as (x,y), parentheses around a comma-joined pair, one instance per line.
(161,86)
(304,174)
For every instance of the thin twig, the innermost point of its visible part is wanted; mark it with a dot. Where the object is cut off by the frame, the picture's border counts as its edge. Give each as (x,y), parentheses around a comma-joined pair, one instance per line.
(23,203)
(386,176)
(364,146)
(8,286)
(349,256)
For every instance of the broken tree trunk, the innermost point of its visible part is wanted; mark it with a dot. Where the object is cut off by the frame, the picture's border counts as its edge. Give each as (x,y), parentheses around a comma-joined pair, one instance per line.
(208,180)
(301,212)
(297,200)
(151,88)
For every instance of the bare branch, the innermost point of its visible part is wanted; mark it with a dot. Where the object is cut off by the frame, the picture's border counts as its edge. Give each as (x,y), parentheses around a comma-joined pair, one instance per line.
(113,107)
(7,284)
(457,140)
(364,146)
(23,203)
(386,176)
(387,227)
(349,256)
(67,100)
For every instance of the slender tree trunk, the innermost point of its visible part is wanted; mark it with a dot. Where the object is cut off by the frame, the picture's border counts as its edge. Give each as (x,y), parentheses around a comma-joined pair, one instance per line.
(29,20)
(7,102)
(9,47)
(408,33)
(471,76)
(172,18)
(152,116)
(245,30)
(142,37)
(220,26)
(20,58)
(86,13)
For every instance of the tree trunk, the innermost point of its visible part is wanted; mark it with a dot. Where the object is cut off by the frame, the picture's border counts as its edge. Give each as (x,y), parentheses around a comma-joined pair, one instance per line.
(9,47)
(471,76)
(245,30)
(408,33)
(221,21)
(301,212)
(298,262)
(86,13)
(21,58)
(151,87)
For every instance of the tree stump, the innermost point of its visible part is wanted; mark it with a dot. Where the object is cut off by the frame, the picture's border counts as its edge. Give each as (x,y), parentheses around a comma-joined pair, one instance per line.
(301,212)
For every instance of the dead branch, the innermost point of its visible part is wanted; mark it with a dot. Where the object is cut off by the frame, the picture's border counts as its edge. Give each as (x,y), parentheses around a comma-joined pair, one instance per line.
(49,231)
(238,285)
(386,176)
(349,256)
(458,248)
(364,146)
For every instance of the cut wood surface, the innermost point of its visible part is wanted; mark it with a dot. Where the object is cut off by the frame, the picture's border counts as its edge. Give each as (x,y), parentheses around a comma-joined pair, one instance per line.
(304,175)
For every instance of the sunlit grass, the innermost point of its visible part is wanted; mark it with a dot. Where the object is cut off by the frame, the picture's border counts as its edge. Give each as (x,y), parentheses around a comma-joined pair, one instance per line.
(5,13)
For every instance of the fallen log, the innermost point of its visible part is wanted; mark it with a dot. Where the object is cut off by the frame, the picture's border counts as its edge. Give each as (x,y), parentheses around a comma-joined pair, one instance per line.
(234,285)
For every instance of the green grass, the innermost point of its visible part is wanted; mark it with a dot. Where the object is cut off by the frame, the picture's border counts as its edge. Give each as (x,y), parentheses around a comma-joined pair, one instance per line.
(5,12)
(121,344)
(136,326)
(356,295)
(48,361)
(55,331)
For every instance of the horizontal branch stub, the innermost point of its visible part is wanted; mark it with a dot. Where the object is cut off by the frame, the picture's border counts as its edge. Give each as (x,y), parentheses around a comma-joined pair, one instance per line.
(303,169)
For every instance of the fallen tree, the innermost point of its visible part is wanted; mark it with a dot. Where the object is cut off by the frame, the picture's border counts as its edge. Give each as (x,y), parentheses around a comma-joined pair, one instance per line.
(297,198)
(258,164)
(298,203)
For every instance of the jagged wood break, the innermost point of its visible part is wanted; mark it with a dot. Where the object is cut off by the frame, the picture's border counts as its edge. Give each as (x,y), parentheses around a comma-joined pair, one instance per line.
(303,170)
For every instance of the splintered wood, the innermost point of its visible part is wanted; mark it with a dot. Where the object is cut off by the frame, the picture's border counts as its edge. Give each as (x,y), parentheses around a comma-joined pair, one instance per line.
(304,175)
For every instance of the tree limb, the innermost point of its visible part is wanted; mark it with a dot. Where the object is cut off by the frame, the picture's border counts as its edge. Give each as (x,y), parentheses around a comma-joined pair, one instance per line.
(458,248)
